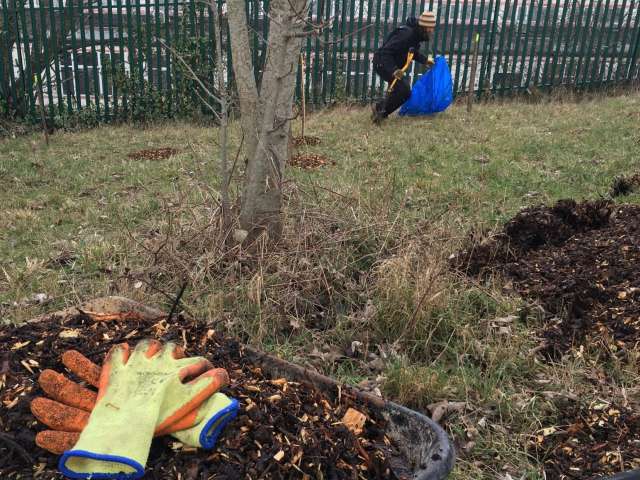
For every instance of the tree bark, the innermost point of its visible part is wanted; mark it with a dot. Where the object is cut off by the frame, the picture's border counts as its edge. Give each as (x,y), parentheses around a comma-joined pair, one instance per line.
(262,193)
(243,73)
(224,118)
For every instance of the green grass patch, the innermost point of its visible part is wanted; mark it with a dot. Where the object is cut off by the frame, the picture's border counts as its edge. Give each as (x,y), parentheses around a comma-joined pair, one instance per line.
(360,286)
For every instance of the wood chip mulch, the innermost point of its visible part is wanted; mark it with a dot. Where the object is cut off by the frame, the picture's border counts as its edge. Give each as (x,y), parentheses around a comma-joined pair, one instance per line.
(153,154)
(306,141)
(581,263)
(285,429)
(310,161)
(602,439)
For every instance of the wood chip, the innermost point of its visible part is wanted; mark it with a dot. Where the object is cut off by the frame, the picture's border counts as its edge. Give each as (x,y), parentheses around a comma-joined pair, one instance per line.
(26,365)
(131,334)
(354,420)
(279,456)
(73,333)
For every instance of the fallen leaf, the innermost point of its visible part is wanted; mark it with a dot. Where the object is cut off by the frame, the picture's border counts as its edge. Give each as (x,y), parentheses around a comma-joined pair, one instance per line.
(440,409)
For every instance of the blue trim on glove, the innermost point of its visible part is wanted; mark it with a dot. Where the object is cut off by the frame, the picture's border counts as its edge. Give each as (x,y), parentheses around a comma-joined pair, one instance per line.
(215,425)
(104,458)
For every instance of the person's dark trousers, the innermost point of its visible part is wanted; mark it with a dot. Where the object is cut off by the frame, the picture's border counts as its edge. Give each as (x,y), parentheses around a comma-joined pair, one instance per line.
(400,93)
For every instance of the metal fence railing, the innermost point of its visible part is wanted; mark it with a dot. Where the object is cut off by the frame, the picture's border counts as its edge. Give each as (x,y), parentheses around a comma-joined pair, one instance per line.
(109,55)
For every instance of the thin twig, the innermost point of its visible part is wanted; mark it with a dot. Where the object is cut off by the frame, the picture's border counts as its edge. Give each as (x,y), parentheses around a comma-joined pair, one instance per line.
(177,300)
(193,74)
(17,447)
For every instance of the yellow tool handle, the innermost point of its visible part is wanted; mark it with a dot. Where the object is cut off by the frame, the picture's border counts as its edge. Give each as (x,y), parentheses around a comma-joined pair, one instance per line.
(404,69)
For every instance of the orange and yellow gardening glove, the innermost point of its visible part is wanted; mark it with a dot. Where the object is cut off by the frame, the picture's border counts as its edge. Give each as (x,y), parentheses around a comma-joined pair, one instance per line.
(67,410)
(139,395)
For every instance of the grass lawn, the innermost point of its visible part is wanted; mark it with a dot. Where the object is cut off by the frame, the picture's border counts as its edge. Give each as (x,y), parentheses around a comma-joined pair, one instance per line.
(360,286)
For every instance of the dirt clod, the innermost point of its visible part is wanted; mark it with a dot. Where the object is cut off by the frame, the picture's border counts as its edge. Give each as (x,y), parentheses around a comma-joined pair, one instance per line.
(624,185)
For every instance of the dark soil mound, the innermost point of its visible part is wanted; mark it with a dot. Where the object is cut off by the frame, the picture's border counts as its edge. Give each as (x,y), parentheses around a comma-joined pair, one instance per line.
(586,276)
(581,263)
(284,429)
(541,226)
(590,284)
(531,229)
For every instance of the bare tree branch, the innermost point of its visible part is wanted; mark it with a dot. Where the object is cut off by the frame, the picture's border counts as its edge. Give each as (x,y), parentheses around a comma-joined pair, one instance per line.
(224,118)
(193,74)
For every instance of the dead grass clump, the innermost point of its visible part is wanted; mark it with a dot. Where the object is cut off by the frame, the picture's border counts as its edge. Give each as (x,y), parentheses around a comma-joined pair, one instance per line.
(319,272)
(411,292)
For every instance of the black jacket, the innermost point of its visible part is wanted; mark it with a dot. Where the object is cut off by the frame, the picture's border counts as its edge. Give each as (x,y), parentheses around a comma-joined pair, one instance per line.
(393,52)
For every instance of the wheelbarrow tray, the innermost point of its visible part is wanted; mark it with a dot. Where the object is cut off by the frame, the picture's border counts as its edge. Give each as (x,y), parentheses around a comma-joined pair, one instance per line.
(425,448)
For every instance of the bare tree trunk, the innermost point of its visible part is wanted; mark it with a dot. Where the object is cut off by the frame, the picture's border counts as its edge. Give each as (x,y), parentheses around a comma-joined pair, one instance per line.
(262,193)
(224,118)
(243,72)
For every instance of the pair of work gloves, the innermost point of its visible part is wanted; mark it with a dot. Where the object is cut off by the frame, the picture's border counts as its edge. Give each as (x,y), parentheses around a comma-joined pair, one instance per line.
(149,391)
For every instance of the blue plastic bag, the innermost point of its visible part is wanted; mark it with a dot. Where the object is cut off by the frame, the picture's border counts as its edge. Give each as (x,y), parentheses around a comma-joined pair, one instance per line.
(432,93)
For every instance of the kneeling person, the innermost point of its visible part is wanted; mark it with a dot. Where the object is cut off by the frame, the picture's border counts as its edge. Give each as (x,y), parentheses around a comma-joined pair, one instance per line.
(389,59)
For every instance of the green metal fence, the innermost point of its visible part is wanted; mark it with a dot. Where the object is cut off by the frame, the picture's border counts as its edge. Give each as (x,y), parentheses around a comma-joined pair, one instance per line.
(108,55)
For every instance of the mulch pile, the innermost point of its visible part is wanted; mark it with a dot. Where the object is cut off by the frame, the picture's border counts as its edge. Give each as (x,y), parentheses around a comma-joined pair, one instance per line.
(306,140)
(580,262)
(310,161)
(284,429)
(153,154)
(603,439)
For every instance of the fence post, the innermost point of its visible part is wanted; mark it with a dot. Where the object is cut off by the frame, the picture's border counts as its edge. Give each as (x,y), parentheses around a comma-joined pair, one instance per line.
(503,36)
(559,48)
(624,42)
(472,77)
(94,61)
(366,91)
(596,53)
(470,35)
(48,53)
(606,59)
(519,66)
(585,44)
(375,40)
(358,60)
(634,54)
(487,51)
(325,51)
(8,51)
(554,25)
